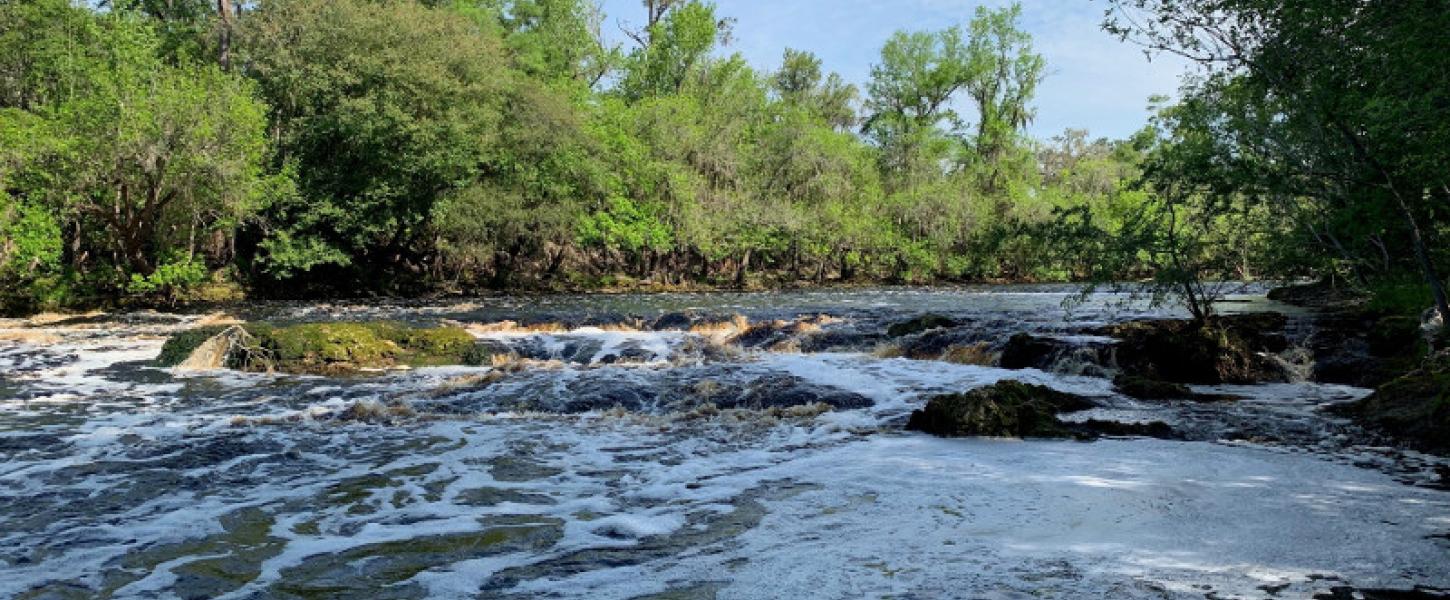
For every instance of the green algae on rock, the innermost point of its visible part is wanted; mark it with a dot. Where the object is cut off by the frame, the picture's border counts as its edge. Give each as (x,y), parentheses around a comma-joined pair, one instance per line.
(919,324)
(181,345)
(327,348)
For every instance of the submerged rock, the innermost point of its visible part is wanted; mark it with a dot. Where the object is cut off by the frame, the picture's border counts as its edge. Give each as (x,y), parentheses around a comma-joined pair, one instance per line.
(1072,356)
(766,334)
(933,344)
(691,321)
(674,321)
(979,354)
(922,323)
(1095,427)
(1345,592)
(839,340)
(1414,407)
(1006,409)
(1231,349)
(1143,388)
(785,391)
(588,396)
(1027,351)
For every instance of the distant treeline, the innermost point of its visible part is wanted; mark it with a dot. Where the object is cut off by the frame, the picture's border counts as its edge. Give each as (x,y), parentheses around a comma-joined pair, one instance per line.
(189,149)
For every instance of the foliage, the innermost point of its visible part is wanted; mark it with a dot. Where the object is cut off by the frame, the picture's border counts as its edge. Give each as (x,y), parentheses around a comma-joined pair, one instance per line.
(170,278)
(423,146)
(1338,145)
(384,107)
(130,156)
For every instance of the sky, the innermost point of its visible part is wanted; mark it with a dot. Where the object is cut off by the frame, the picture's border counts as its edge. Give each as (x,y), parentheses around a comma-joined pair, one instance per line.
(1093,81)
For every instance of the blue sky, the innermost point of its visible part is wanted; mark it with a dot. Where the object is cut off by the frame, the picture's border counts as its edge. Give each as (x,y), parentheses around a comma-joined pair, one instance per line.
(1093,80)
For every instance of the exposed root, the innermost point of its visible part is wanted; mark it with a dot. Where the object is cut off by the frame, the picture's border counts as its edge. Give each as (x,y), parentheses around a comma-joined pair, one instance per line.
(233,347)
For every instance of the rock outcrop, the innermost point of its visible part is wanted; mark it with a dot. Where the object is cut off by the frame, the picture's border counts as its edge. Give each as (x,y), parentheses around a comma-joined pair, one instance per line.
(1231,349)
(1006,409)
(1414,407)
(322,348)
(919,324)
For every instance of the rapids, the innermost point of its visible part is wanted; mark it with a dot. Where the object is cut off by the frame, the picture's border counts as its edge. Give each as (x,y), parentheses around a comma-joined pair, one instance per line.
(651,447)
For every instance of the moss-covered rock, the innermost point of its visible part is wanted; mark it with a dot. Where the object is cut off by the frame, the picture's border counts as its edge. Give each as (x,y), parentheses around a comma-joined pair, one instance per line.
(314,347)
(1414,408)
(180,345)
(336,347)
(1006,409)
(919,324)
(1233,349)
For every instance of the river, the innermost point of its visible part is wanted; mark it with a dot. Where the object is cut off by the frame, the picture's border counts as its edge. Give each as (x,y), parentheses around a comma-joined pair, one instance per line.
(620,459)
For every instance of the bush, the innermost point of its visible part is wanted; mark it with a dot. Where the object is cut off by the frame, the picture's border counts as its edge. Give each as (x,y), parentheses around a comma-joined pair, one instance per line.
(1405,298)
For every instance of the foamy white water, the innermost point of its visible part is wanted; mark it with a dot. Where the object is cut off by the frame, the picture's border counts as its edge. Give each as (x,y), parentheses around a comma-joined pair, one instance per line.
(582,476)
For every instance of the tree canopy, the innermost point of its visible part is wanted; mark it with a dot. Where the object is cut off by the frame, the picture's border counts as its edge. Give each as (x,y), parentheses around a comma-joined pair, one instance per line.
(159,151)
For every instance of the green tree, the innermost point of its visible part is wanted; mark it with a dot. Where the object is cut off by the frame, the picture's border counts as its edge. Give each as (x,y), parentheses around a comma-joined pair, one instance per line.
(1358,131)
(800,83)
(677,39)
(1004,75)
(139,161)
(382,108)
(556,40)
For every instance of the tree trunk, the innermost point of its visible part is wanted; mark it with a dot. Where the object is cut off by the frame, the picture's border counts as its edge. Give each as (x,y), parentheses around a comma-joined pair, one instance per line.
(742,270)
(1417,237)
(1422,254)
(224,35)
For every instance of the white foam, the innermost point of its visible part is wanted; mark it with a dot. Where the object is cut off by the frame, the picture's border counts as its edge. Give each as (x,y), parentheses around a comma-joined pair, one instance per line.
(882,513)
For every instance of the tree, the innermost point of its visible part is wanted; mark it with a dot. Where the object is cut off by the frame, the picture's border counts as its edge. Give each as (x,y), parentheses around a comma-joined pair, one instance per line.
(1004,74)
(161,155)
(556,40)
(139,160)
(799,82)
(381,109)
(1354,129)
(679,37)
(30,237)
(908,98)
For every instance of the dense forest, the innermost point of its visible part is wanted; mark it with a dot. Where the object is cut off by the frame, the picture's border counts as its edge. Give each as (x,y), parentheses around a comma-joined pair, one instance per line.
(178,150)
